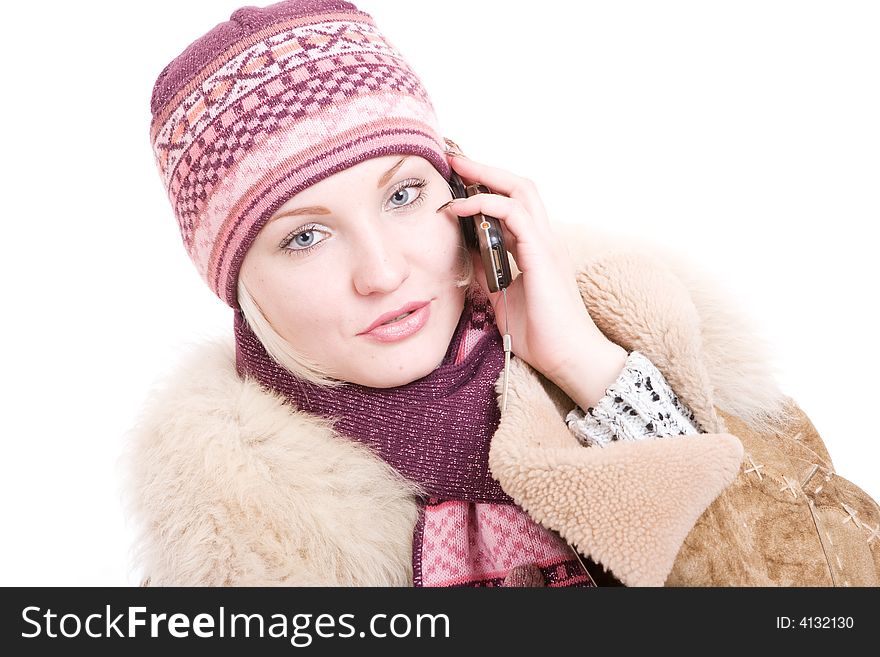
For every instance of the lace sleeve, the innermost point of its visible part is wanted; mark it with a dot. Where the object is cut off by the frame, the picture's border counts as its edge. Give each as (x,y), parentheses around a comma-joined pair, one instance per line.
(639,404)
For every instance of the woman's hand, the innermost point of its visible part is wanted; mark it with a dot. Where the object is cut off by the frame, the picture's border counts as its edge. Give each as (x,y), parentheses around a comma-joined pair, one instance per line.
(550,327)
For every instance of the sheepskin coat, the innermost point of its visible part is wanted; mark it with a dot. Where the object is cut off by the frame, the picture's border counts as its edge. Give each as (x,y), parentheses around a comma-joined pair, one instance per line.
(227,484)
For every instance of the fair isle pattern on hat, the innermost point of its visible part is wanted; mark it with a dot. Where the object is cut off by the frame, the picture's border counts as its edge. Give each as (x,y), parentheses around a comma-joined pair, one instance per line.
(269,103)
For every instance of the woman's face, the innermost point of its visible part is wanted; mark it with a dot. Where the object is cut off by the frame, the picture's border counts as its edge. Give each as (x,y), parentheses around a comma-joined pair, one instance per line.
(361,243)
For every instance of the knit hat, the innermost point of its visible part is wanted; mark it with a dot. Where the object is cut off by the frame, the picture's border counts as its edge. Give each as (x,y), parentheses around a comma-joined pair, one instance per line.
(269,103)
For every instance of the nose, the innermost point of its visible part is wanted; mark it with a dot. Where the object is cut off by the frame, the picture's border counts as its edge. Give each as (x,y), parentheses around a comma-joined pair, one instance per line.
(380,264)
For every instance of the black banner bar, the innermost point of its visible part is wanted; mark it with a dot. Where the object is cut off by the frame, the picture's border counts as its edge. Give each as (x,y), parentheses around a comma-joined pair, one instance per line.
(328,620)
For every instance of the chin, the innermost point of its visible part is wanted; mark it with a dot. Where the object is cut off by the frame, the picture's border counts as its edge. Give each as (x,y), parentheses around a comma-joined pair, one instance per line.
(408,366)
(404,375)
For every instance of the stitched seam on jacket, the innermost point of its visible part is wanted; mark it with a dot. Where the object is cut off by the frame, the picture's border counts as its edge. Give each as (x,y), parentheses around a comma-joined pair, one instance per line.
(821,541)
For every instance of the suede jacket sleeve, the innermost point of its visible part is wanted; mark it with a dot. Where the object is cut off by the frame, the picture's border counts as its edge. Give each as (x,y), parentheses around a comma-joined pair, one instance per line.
(639,404)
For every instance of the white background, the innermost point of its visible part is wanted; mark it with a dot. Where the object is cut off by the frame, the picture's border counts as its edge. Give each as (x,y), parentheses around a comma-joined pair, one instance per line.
(744,133)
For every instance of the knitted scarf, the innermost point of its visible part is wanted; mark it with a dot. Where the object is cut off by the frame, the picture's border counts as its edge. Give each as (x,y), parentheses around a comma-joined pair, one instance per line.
(435,431)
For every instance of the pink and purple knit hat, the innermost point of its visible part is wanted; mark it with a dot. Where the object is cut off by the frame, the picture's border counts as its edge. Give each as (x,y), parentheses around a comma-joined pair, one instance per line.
(269,103)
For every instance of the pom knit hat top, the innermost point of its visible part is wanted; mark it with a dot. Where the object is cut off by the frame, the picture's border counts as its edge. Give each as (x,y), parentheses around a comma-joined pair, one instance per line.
(267,104)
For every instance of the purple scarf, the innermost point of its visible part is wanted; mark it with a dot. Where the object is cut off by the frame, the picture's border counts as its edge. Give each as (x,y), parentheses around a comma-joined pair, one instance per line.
(435,430)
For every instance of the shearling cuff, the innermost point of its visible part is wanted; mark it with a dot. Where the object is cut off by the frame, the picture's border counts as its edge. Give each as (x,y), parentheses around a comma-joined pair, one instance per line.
(639,404)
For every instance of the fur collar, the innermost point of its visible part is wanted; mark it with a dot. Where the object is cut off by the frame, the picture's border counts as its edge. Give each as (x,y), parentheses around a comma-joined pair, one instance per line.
(226,484)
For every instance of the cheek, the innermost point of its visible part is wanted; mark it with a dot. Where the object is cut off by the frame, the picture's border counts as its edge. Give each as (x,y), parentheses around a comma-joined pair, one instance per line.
(297,308)
(446,241)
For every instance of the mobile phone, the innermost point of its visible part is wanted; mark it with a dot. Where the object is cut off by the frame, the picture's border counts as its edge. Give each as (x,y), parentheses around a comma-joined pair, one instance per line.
(483,233)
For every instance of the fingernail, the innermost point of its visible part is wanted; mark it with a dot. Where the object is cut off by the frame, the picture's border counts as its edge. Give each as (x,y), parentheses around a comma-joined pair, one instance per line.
(447,204)
(452,148)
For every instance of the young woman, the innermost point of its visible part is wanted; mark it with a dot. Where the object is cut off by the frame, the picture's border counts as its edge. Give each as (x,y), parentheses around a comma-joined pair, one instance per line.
(362,429)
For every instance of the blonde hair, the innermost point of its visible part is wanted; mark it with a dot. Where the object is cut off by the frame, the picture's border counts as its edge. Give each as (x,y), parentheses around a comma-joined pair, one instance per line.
(283,353)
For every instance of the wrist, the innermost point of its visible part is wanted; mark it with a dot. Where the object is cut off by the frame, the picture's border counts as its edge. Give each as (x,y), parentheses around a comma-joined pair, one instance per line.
(591,369)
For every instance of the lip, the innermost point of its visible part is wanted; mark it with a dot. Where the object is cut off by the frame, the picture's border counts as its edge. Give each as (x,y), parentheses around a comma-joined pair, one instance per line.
(401,329)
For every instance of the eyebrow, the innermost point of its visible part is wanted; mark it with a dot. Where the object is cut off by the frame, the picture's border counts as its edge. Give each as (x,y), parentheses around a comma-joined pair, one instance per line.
(320,209)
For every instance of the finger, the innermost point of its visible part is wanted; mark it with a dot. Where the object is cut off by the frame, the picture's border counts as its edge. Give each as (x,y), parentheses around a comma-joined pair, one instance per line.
(504,183)
(517,224)
(529,245)
(446,209)
(509,244)
(509,239)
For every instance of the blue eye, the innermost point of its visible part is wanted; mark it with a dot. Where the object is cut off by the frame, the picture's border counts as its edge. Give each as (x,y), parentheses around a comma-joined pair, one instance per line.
(401,195)
(405,194)
(309,233)
(301,241)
